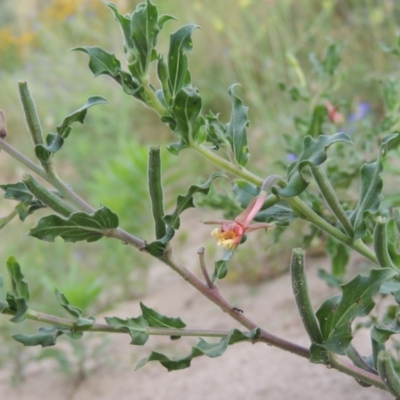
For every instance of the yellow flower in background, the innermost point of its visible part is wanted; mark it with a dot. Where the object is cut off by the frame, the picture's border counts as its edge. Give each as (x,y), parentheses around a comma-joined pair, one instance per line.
(197,6)
(218,24)
(244,3)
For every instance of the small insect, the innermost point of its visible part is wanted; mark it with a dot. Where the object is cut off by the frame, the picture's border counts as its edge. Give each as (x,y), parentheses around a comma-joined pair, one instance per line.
(237,309)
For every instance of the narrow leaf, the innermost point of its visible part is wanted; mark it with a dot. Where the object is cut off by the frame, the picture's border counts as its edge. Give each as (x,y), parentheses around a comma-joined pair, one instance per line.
(46,337)
(77,116)
(180,44)
(371,188)
(313,154)
(186,201)
(136,327)
(79,226)
(156,320)
(336,313)
(237,128)
(62,299)
(202,348)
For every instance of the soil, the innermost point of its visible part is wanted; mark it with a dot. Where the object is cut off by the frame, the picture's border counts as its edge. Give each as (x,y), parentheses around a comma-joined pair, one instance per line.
(245,371)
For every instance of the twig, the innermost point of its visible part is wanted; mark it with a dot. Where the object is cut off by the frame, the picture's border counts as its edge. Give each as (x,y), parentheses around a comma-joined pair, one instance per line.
(203,267)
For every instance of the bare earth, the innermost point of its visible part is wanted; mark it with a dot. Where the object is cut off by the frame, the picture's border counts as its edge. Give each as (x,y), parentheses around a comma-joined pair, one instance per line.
(245,371)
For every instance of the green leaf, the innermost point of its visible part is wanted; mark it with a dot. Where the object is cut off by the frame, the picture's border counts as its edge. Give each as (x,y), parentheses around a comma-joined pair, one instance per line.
(184,202)
(202,348)
(158,247)
(216,131)
(313,154)
(20,288)
(46,337)
(221,266)
(103,63)
(74,311)
(180,44)
(79,226)
(156,320)
(136,327)
(17,191)
(28,203)
(336,313)
(186,113)
(371,188)
(77,116)
(237,128)
(339,255)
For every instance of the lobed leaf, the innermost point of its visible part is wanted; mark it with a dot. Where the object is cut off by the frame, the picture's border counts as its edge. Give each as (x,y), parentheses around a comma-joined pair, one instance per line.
(313,154)
(156,320)
(62,299)
(202,348)
(136,327)
(180,44)
(184,202)
(46,337)
(336,313)
(237,128)
(79,226)
(371,188)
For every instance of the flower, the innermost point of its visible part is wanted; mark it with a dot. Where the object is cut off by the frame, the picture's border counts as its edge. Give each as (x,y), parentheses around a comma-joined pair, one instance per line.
(231,233)
(334,115)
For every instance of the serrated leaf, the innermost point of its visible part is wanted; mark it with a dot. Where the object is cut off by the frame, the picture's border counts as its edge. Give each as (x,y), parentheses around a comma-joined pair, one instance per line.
(216,131)
(186,113)
(371,188)
(46,337)
(79,226)
(103,63)
(53,142)
(339,255)
(17,191)
(62,299)
(202,348)
(180,44)
(237,128)
(221,266)
(20,288)
(136,327)
(156,320)
(158,247)
(336,313)
(184,202)
(313,154)
(318,354)
(144,31)
(85,322)
(19,298)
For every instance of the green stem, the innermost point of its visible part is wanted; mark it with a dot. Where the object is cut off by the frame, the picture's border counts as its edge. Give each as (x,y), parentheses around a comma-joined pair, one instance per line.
(305,212)
(356,372)
(226,165)
(388,373)
(46,197)
(151,100)
(300,290)
(156,191)
(330,196)
(9,217)
(98,327)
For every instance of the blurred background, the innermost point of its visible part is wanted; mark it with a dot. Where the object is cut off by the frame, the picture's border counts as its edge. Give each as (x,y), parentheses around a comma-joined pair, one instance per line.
(251,42)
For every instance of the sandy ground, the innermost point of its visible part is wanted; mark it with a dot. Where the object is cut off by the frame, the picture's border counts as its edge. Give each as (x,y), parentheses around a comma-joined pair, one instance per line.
(245,371)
